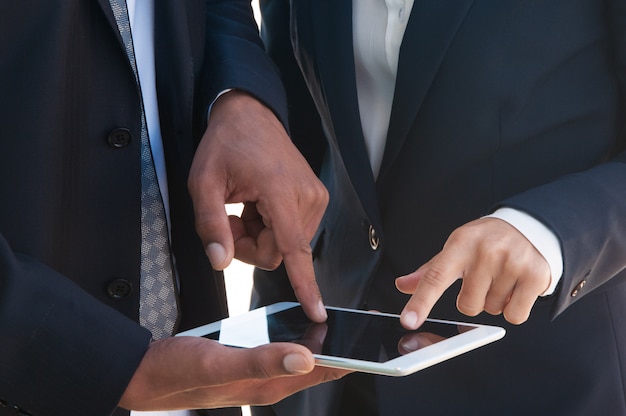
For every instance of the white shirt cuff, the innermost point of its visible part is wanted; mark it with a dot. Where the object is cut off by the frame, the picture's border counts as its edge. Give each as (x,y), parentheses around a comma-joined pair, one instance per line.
(213,102)
(540,236)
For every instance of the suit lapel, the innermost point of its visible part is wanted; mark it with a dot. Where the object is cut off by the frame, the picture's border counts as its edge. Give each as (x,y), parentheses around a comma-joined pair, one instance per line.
(431,28)
(173,59)
(332,31)
(106,9)
(172,34)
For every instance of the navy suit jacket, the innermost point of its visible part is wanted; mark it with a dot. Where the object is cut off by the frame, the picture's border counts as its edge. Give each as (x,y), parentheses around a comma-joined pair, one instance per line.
(70,194)
(497,103)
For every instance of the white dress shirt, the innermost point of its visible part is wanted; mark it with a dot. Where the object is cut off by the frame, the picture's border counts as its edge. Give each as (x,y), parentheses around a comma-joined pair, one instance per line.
(141,16)
(378,29)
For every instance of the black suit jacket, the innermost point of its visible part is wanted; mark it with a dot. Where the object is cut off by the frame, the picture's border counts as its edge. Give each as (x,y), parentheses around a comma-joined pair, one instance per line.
(497,103)
(70,195)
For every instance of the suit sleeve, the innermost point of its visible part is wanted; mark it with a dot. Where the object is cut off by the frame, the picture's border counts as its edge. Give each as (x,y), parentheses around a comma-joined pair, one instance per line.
(62,351)
(304,120)
(235,56)
(587,210)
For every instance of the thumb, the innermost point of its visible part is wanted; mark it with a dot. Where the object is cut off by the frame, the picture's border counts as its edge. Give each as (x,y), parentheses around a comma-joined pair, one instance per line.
(270,361)
(213,228)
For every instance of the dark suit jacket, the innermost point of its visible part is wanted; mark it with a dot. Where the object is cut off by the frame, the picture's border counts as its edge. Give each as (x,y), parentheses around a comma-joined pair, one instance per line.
(497,103)
(70,197)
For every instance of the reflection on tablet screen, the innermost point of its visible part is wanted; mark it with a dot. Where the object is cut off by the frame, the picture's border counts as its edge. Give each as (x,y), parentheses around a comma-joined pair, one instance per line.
(345,334)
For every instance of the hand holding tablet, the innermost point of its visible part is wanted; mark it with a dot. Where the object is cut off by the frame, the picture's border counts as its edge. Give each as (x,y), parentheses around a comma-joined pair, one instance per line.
(355,340)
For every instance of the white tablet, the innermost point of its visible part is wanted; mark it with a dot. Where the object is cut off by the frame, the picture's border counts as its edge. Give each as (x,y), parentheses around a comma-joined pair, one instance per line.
(357,340)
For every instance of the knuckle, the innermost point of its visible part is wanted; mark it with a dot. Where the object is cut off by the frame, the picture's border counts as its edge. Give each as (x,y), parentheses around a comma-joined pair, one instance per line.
(463,233)
(269,264)
(534,283)
(206,221)
(321,194)
(513,319)
(260,363)
(500,251)
(300,246)
(429,288)
(257,369)
(433,277)
(267,257)
(275,263)
(193,182)
(304,245)
(313,198)
(494,303)
(325,195)
(468,308)
(197,178)
(312,192)
(493,307)
(538,280)
(469,301)
(516,316)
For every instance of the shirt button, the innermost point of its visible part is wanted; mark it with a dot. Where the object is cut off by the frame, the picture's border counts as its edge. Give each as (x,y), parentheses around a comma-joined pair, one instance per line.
(373,238)
(119,137)
(119,289)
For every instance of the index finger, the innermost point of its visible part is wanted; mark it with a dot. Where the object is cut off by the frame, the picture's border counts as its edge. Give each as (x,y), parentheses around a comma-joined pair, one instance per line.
(435,277)
(299,265)
(295,247)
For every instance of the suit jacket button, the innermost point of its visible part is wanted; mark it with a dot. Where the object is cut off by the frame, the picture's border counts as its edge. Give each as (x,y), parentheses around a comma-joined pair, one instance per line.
(578,288)
(119,137)
(119,289)
(373,238)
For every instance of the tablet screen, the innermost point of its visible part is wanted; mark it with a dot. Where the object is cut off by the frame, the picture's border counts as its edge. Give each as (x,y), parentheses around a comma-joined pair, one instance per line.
(347,334)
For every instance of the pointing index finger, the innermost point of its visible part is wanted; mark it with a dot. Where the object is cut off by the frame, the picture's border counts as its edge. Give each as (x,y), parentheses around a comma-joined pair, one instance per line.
(299,266)
(295,247)
(434,278)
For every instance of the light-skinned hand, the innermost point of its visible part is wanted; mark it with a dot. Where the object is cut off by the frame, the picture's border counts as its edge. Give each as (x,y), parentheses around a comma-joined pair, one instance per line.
(502,273)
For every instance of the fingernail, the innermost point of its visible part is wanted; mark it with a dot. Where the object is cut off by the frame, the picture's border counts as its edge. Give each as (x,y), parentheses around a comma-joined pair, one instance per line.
(296,364)
(409,320)
(322,310)
(216,254)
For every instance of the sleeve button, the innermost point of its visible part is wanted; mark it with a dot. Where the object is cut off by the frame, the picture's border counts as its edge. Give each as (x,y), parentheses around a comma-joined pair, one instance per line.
(578,288)
(373,238)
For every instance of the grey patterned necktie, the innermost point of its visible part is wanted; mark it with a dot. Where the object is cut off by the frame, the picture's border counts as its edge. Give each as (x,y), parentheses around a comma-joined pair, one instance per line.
(158,308)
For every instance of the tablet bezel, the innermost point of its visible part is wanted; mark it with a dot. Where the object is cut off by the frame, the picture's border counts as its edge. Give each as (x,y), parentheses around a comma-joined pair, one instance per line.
(400,366)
